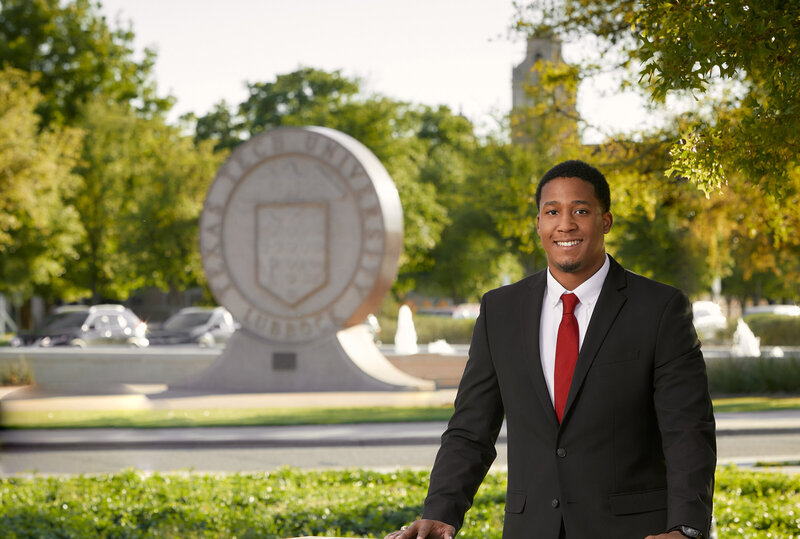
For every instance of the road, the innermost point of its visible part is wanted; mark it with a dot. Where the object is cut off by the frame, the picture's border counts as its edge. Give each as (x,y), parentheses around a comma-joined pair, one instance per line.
(250,456)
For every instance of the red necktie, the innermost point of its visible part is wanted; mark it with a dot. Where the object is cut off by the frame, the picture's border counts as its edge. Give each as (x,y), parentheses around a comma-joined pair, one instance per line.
(566,352)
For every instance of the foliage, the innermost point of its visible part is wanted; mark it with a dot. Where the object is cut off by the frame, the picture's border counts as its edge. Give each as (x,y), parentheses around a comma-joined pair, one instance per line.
(755,404)
(754,505)
(748,135)
(39,230)
(139,201)
(760,237)
(434,157)
(126,217)
(753,376)
(663,248)
(545,131)
(15,373)
(430,328)
(116,209)
(233,417)
(775,329)
(290,502)
(77,57)
(732,67)
(216,417)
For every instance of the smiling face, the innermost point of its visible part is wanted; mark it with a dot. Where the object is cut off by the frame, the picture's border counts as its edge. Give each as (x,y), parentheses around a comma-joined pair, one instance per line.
(572,226)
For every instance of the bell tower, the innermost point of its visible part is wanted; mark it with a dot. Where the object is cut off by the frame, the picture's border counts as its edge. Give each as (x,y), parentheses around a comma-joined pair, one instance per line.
(542,113)
(547,49)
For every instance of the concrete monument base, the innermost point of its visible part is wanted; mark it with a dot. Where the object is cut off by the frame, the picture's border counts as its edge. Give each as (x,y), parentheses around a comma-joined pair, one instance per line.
(345,361)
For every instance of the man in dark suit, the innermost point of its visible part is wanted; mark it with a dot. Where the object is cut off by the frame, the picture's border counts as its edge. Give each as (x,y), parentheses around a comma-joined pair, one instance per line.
(610,428)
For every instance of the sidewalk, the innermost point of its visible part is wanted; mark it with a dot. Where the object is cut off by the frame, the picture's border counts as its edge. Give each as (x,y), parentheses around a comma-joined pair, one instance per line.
(156,398)
(370,434)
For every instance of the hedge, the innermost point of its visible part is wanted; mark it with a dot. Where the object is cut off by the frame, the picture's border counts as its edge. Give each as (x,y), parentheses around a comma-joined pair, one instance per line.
(753,376)
(431,328)
(289,502)
(775,329)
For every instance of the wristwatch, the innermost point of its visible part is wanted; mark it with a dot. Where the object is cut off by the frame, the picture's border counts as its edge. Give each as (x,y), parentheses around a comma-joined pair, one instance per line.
(688,531)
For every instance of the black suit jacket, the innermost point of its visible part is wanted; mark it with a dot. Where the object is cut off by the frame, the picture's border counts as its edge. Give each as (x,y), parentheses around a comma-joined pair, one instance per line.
(635,453)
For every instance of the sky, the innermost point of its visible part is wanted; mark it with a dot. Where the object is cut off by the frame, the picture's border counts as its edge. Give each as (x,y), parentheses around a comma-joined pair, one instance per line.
(453,52)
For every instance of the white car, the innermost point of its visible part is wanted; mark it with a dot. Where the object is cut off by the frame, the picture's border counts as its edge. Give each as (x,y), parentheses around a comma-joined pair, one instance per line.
(708,318)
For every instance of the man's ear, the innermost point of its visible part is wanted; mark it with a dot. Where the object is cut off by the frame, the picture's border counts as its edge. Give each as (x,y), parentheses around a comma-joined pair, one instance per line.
(608,220)
(537,223)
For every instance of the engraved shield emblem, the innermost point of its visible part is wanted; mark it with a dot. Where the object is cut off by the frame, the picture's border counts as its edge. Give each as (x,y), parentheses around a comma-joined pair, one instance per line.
(292,246)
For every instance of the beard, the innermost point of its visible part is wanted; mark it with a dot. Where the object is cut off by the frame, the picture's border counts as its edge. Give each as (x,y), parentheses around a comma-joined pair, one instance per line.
(569,267)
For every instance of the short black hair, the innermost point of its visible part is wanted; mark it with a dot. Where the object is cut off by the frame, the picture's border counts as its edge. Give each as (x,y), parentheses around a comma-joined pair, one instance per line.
(583,171)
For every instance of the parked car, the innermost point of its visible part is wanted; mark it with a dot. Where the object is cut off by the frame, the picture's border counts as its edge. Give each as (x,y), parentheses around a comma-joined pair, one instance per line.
(462,310)
(708,318)
(82,325)
(784,310)
(205,326)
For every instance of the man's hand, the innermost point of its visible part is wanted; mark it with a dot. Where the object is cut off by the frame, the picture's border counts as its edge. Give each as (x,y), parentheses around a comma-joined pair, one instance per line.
(671,535)
(422,529)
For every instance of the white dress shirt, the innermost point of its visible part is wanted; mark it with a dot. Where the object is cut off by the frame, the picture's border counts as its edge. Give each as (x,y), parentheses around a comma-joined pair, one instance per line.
(552,310)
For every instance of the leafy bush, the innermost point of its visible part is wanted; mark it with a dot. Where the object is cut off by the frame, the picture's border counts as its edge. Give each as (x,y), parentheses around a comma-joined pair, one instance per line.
(431,328)
(15,373)
(755,505)
(775,329)
(744,375)
(289,502)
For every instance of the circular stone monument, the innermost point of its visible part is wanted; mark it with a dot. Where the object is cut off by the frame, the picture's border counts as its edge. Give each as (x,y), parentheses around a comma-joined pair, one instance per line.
(300,234)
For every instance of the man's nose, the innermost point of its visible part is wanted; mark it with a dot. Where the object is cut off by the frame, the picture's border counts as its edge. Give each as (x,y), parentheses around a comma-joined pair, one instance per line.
(566,222)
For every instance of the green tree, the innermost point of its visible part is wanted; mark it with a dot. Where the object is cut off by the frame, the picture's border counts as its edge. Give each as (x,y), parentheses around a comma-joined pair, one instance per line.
(77,56)
(387,127)
(39,232)
(302,93)
(545,132)
(163,229)
(220,126)
(750,135)
(139,201)
(762,270)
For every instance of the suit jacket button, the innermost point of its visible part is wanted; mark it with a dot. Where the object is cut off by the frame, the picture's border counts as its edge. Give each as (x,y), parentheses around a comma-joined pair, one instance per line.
(554,503)
(561,452)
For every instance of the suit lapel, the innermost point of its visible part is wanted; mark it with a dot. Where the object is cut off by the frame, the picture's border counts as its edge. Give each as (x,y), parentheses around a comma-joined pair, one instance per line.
(609,303)
(531,307)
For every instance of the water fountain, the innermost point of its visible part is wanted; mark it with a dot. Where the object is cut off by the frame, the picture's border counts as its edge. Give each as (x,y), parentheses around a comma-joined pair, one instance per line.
(745,343)
(405,339)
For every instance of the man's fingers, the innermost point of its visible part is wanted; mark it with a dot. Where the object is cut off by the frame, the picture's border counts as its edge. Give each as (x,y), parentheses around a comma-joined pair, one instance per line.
(424,529)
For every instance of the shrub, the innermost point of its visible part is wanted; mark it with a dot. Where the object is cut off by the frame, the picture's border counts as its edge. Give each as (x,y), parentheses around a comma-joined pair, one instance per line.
(775,329)
(15,373)
(289,502)
(431,328)
(729,375)
(750,505)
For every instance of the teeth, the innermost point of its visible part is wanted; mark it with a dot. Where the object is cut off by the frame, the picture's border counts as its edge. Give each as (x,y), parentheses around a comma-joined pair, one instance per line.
(567,243)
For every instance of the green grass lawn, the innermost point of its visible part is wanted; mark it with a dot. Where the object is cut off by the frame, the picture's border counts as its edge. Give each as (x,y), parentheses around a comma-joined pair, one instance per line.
(218,417)
(756,404)
(290,502)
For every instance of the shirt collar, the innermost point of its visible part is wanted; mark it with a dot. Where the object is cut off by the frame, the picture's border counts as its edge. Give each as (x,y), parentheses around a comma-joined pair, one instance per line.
(588,291)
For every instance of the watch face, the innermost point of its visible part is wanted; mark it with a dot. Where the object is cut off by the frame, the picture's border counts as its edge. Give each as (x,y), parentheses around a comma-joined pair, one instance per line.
(691,532)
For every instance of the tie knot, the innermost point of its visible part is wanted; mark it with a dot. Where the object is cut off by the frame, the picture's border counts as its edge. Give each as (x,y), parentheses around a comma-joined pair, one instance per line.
(569,301)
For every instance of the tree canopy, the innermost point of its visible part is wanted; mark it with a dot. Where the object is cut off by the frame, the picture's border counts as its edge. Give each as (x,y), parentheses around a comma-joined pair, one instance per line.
(39,230)
(76,55)
(100,195)
(749,133)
